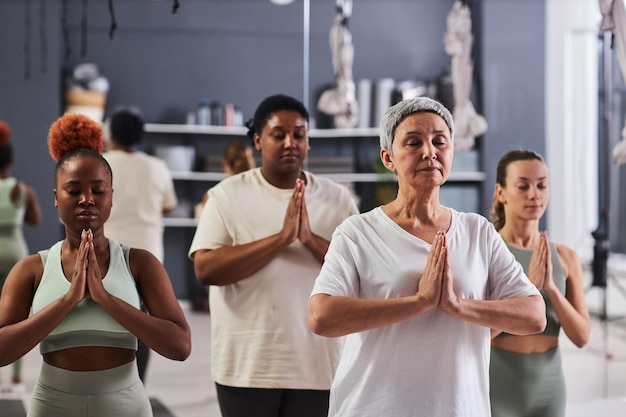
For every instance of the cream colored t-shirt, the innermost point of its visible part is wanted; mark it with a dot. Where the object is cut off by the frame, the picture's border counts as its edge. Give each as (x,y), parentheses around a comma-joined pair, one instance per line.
(142,189)
(260,337)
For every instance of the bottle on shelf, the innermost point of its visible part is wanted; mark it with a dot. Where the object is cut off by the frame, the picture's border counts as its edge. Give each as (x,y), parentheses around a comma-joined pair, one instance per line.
(217,114)
(204,112)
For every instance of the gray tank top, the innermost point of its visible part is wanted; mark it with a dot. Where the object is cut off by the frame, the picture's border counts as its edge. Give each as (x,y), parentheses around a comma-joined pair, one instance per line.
(558,274)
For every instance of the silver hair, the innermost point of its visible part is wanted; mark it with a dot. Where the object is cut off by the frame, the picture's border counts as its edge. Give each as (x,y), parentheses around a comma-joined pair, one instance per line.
(396,113)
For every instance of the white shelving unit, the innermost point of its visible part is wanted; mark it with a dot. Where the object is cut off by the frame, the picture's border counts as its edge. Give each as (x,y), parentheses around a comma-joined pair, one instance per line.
(315,134)
(190,134)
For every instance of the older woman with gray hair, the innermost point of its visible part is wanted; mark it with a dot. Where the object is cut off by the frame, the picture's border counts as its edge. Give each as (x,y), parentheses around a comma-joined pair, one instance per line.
(416,286)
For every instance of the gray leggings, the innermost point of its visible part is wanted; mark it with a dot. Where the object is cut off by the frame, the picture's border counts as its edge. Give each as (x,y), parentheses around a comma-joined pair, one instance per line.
(526,385)
(112,392)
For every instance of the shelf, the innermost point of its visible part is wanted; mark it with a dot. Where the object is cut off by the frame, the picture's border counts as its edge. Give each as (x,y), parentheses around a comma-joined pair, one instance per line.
(241,131)
(362,132)
(339,152)
(195,129)
(198,176)
(338,177)
(179,222)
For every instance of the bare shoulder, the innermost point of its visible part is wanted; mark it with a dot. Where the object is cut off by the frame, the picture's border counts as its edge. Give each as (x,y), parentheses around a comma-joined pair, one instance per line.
(32,263)
(569,259)
(142,260)
(27,272)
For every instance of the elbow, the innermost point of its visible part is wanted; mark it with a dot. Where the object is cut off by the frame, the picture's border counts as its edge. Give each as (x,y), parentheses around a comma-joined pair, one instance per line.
(203,275)
(538,321)
(315,318)
(320,322)
(581,340)
(538,325)
(204,269)
(316,325)
(203,279)
(185,351)
(182,351)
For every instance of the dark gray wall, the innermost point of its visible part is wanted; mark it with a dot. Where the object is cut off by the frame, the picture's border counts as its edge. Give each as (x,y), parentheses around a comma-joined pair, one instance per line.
(242,50)
(511,67)
(31,105)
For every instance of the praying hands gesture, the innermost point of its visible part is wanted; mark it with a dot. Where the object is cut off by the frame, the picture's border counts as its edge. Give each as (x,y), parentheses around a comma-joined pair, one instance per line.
(86,277)
(436,284)
(229,264)
(540,268)
(296,224)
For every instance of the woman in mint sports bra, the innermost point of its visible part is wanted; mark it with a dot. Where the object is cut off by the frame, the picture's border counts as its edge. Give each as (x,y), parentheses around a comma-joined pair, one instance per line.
(86,292)
(526,376)
(18,206)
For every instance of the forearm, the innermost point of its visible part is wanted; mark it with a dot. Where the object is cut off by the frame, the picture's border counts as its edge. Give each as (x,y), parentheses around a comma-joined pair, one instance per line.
(318,246)
(167,337)
(19,338)
(334,316)
(575,324)
(519,316)
(228,265)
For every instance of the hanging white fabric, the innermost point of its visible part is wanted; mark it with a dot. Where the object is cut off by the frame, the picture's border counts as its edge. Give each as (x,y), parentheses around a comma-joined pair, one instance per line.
(340,102)
(458,41)
(614,20)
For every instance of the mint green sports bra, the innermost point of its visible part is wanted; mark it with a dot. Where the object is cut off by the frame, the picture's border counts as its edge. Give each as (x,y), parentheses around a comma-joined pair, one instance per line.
(87,324)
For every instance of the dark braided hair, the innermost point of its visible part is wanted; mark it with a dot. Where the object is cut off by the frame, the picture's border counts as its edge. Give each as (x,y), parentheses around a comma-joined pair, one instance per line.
(271,105)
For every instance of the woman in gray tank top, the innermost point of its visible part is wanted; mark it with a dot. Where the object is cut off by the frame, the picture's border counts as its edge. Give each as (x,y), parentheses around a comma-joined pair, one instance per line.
(526,377)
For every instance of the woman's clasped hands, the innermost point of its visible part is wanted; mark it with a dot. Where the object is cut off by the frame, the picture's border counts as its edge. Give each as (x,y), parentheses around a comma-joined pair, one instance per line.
(296,224)
(86,277)
(540,268)
(436,285)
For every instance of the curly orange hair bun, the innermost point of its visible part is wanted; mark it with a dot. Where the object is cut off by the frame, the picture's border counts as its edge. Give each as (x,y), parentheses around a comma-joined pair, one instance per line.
(74,131)
(5,133)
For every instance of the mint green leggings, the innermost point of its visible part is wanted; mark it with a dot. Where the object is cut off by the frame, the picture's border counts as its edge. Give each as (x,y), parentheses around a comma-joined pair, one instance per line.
(113,392)
(526,385)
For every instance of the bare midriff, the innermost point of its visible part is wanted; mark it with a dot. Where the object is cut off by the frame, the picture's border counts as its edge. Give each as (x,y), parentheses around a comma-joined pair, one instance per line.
(90,358)
(526,344)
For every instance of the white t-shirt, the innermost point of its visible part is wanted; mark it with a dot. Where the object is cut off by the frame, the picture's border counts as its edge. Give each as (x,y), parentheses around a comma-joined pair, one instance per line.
(259,332)
(142,189)
(432,365)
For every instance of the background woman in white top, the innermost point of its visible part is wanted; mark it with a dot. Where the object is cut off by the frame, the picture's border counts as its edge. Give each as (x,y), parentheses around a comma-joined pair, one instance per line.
(144,193)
